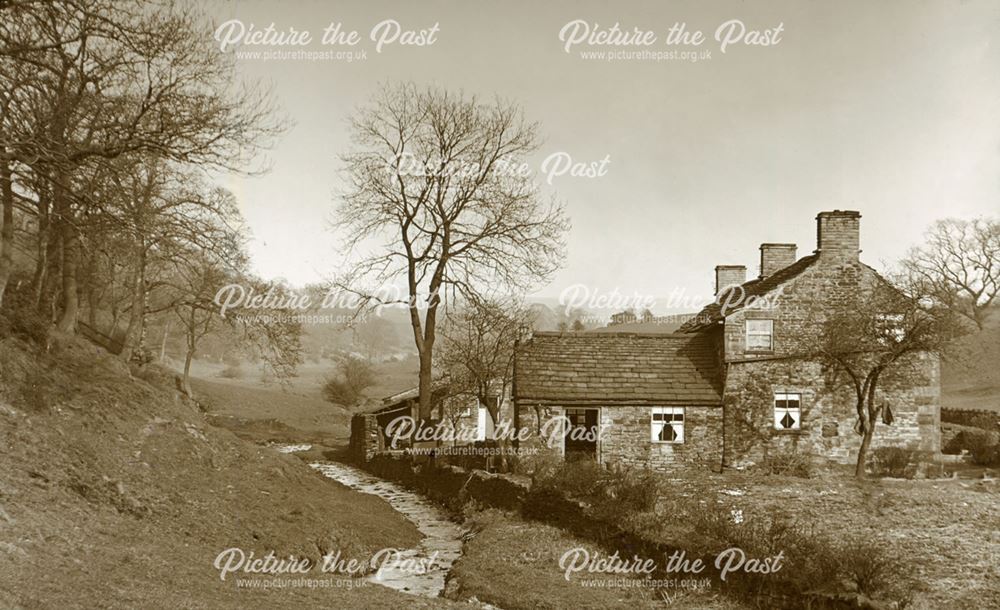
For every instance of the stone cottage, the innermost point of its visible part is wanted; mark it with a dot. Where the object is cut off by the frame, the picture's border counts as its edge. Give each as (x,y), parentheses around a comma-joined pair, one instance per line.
(726,389)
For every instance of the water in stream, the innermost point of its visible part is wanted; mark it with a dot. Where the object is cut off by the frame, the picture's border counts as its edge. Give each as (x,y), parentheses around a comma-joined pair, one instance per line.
(440,547)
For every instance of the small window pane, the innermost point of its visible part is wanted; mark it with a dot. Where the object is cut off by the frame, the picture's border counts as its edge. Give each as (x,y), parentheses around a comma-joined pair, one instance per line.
(787,411)
(667,425)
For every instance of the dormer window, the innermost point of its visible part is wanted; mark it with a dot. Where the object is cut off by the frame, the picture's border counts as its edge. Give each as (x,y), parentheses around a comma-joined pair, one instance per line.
(760,335)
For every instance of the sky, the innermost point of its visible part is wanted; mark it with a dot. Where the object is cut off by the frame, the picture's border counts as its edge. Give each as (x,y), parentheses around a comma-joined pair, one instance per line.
(889,108)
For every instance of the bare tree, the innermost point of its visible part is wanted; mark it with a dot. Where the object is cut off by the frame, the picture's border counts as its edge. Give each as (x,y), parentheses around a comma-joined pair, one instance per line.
(436,205)
(959,266)
(478,350)
(374,335)
(347,386)
(87,81)
(878,337)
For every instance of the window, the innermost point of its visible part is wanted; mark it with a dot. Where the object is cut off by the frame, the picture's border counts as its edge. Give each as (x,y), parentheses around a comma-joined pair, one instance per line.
(787,411)
(483,422)
(667,425)
(889,328)
(759,335)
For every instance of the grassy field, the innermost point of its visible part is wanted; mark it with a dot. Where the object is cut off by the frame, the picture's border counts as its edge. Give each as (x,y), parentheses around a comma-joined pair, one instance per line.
(263,410)
(970,378)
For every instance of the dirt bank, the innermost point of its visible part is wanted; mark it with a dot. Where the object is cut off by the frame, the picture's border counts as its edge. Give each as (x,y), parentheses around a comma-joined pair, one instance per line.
(115,492)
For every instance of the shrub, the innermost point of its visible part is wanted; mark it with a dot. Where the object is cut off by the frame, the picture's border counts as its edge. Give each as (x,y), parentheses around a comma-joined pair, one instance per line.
(617,493)
(232,371)
(788,463)
(353,376)
(868,566)
(632,491)
(892,461)
(822,565)
(19,318)
(984,446)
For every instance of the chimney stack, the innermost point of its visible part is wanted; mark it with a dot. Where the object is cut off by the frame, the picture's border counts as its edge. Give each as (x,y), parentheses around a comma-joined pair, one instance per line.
(774,257)
(838,235)
(729,275)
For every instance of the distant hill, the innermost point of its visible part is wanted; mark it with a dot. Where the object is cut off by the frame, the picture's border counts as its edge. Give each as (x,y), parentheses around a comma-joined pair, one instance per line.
(659,324)
(971,380)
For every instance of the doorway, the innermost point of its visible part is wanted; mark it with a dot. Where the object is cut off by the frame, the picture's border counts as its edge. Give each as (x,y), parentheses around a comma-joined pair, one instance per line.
(581,434)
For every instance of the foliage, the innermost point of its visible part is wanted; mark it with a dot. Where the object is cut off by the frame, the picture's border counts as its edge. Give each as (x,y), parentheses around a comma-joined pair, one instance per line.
(347,387)
(113,114)
(822,564)
(232,371)
(787,462)
(610,491)
(984,446)
(893,461)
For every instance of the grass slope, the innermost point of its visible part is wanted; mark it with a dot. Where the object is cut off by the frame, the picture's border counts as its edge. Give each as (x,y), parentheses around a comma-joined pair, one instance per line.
(115,492)
(971,378)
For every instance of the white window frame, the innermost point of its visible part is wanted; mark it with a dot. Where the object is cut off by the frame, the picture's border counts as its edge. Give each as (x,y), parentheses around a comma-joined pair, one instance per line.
(482,417)
(795,412)
(668,416)
(756,333)
(890,325)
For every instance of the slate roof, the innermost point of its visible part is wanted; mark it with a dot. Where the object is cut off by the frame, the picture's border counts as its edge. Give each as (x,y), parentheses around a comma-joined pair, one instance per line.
(712,312)
(618,369)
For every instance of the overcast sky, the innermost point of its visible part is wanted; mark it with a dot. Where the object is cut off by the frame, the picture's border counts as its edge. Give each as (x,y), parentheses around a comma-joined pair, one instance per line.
(890,108)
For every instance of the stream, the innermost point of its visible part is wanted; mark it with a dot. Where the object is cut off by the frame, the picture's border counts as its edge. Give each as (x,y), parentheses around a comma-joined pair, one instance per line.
(440,547)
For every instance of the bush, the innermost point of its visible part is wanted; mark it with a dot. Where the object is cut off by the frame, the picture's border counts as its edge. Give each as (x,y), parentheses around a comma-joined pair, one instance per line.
(893,461)
(614,492)
(233,371)
(822,565)
(19,318)
(787,463)
(347,387)
(984,446)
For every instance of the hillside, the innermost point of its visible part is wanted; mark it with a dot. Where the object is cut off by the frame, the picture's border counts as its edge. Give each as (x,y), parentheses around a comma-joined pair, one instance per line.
(115,492)
(971,378)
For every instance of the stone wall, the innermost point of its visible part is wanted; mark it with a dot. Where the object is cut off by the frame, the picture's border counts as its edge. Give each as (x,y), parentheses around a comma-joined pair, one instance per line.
(912,391)
(364,437)
(625,437)
(828,412)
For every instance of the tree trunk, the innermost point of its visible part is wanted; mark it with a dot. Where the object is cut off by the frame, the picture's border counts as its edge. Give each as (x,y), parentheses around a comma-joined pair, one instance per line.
(70,252)
(866,441)
(192,344)
(163,344)
(867,433)
(186,380)
(6,225)
(39,278)
(425,386)
(136,330)
(70,297)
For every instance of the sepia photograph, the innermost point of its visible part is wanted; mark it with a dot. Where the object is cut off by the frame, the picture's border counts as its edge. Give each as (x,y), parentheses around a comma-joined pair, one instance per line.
(464,304)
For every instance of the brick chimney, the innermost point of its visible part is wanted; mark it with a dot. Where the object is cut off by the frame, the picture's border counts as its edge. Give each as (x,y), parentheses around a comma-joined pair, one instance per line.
(838,235)
(774,257)
(729,275)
